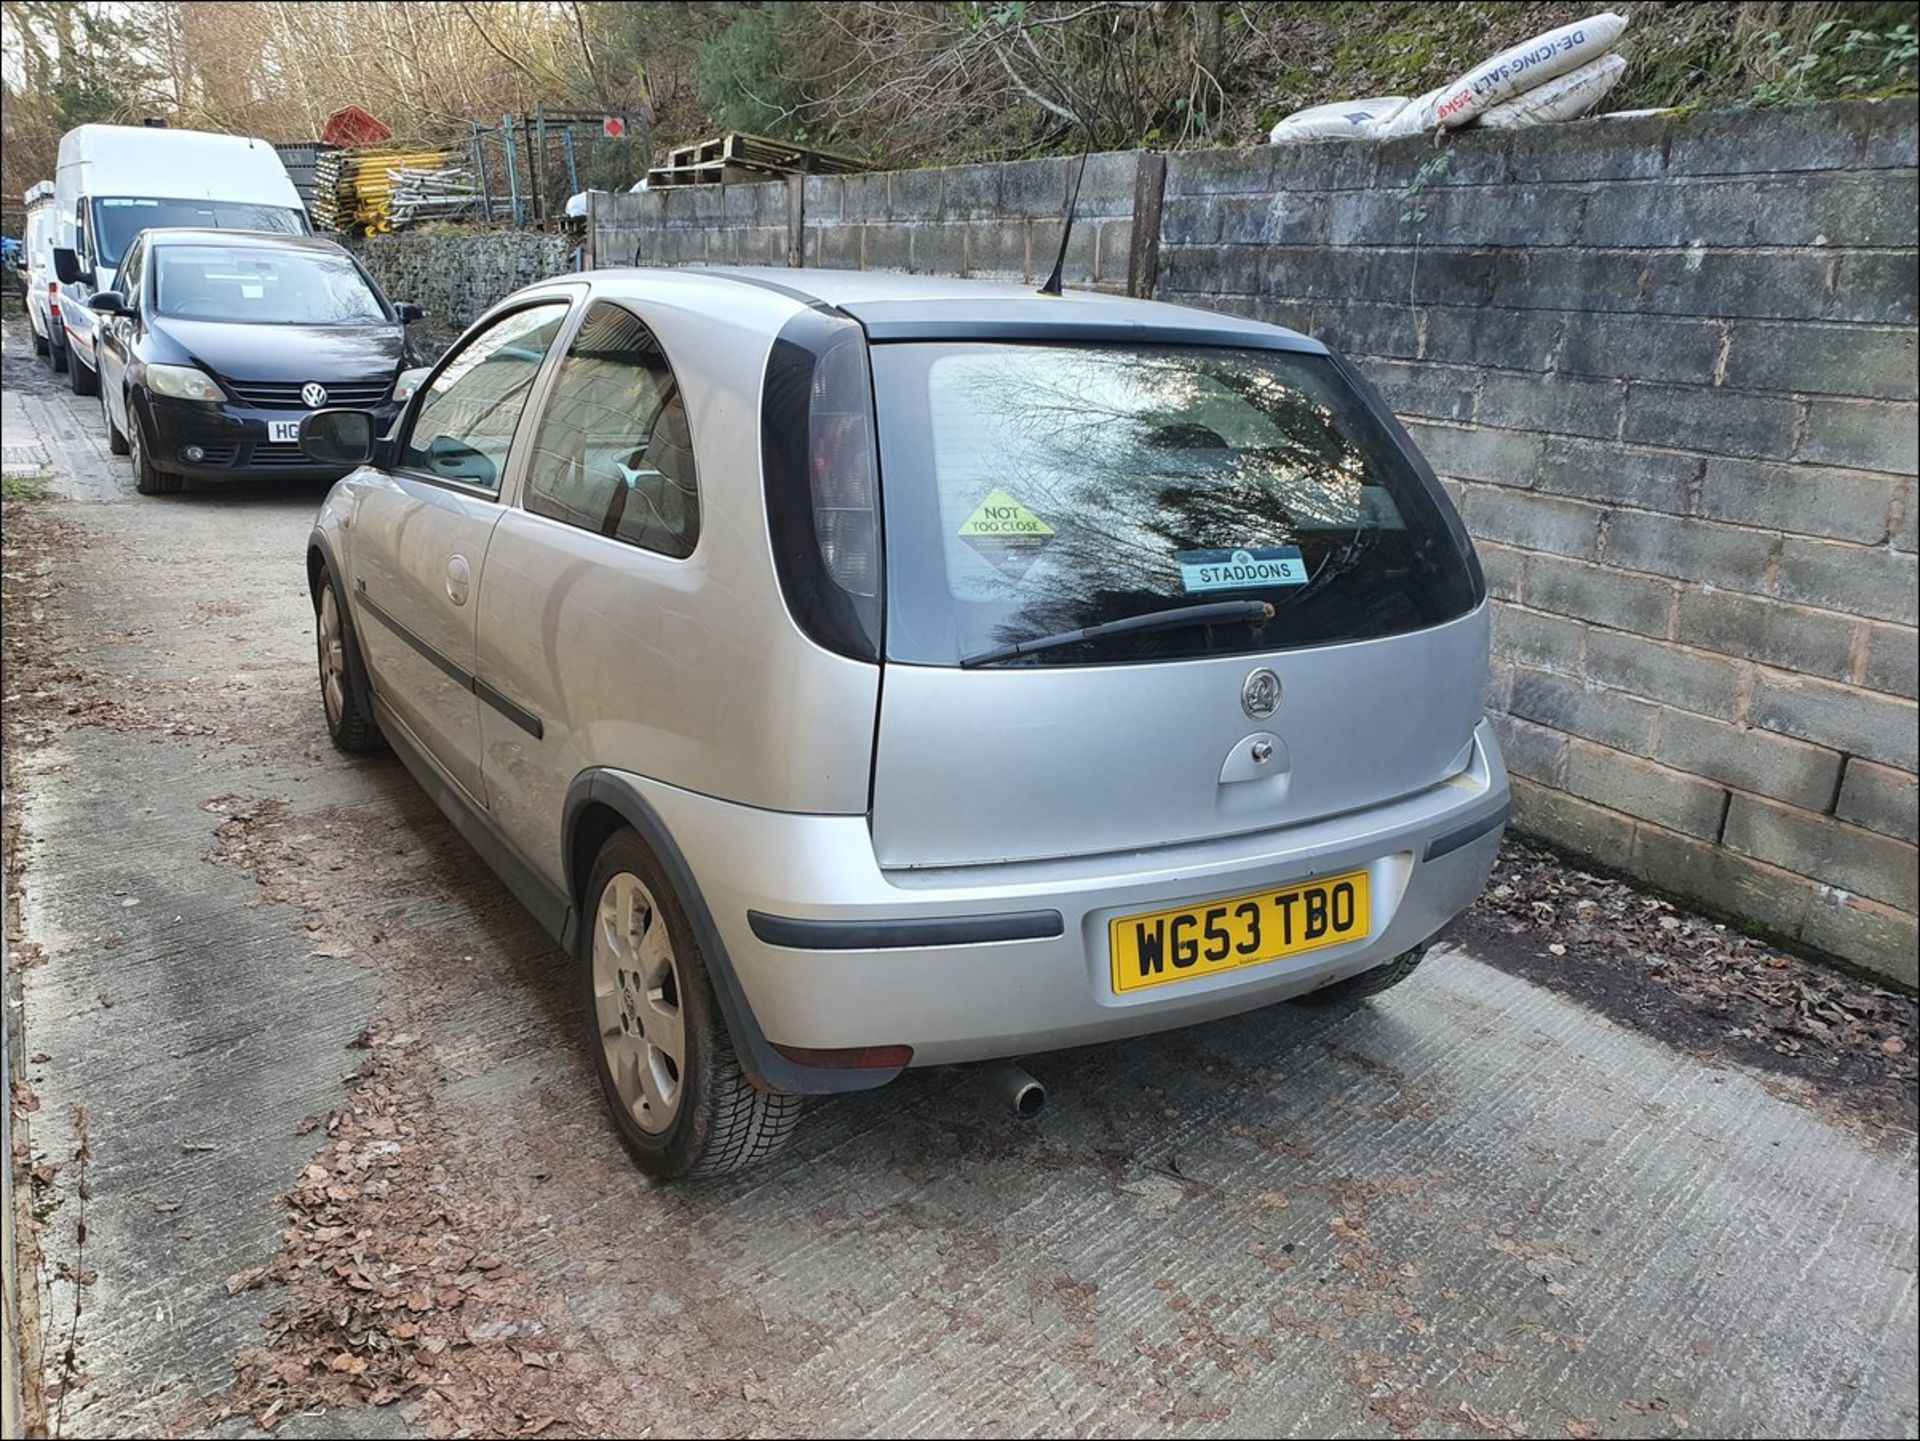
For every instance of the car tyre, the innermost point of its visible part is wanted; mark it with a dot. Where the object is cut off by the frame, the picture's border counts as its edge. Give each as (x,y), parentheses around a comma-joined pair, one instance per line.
(83,378)
(1355,989)
(116,438)
(668,1070)
(40,343)
(56,355)
(345,695)
(148,479)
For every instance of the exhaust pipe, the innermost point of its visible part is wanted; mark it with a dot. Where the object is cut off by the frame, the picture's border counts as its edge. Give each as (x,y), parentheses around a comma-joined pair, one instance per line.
(1012,1084)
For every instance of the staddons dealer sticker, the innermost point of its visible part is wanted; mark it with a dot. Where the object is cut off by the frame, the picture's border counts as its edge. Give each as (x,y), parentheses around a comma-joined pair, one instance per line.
(1204,570)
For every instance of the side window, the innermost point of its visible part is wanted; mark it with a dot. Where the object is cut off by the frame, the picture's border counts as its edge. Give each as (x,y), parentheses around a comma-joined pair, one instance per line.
(132,271)
(464,426)
(614,454)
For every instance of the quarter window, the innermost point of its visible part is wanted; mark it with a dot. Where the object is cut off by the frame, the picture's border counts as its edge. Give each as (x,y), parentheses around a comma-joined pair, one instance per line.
(464,427)
(131,274)
(614,454)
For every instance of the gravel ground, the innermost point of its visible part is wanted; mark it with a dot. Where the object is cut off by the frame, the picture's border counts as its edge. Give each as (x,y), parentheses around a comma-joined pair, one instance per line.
(314,1147)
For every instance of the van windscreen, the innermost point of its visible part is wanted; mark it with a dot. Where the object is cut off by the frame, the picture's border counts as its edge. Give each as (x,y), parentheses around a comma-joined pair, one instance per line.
(1031,489)
(118,218)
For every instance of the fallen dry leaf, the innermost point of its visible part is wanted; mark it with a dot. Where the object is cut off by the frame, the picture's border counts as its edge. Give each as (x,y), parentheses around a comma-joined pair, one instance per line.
(245,1280)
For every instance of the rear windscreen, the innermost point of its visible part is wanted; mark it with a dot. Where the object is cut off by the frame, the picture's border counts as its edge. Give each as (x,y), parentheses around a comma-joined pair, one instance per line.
(1034,489)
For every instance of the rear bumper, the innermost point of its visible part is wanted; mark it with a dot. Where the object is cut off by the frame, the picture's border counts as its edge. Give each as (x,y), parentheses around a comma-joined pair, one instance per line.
(235,439)
(831,951)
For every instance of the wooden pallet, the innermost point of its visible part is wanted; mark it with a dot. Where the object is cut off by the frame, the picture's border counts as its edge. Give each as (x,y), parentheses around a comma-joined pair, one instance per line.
(740,157)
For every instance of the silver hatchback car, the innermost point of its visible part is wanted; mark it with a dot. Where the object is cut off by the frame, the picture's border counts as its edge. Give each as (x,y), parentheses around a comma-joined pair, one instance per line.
(862,671)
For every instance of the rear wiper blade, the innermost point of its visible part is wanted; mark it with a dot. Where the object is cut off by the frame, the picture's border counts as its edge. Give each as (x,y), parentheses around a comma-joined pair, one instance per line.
(1173,618)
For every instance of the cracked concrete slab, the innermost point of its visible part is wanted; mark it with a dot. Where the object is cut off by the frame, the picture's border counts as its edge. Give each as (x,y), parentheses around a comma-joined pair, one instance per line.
(1470,1208)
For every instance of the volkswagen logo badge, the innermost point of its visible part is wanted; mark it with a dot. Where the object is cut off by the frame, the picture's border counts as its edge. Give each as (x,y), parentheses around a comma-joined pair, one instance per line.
(313,395)
(1260,695)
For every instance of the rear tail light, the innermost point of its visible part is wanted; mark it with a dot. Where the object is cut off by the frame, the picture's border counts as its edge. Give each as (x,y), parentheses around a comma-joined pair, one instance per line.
(820,459)
(53,303)
(840,468)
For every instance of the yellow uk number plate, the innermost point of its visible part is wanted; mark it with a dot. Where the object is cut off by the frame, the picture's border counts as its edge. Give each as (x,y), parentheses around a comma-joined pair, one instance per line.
(1166,947)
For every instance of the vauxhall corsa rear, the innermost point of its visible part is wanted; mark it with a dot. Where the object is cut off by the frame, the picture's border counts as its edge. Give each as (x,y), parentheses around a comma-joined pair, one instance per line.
(915,672)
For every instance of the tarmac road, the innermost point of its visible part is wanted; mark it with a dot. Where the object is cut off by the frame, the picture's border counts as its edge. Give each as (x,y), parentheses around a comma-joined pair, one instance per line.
(1471,1208)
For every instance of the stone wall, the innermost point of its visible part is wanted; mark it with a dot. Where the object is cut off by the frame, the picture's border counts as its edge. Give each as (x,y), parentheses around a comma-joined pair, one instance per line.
(455,274)
(1666,366)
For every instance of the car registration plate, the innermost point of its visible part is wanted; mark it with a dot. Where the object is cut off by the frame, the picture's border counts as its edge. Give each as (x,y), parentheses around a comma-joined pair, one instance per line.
(279,430)
(1163,948)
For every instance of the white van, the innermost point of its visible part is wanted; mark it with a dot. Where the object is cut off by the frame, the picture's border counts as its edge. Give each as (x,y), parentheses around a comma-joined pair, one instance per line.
(38,242)
(114,181)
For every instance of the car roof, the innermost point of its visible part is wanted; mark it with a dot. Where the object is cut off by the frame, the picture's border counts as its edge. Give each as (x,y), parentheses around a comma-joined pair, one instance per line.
(261,239)
(894,306)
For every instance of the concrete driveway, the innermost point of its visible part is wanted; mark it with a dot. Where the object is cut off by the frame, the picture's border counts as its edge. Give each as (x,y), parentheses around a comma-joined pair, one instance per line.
(317,1146)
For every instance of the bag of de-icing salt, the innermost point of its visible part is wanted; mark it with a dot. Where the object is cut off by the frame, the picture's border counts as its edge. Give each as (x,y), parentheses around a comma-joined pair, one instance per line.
(1564,97)
(1404,121)
(1530,63)
(1341,121)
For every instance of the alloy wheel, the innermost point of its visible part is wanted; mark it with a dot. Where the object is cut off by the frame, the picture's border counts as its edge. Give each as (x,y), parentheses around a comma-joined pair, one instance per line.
(636,995)
(333,658)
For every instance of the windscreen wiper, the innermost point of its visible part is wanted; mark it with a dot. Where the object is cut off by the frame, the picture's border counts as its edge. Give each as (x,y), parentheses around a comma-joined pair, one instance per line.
(1174,617)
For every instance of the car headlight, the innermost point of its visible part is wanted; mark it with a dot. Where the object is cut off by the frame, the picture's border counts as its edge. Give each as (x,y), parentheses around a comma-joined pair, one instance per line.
(408,382)
(182,382)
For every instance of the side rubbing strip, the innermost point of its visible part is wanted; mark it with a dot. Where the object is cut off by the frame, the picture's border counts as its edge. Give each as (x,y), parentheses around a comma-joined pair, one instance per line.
(519,715)
(440,662)
(893,935)
(1453,840)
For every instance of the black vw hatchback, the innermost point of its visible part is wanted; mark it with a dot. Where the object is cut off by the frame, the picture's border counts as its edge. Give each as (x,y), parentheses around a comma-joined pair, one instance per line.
(218,342)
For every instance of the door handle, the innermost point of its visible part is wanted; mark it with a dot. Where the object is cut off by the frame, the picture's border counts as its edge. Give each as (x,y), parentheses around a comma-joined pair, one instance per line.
(457,580)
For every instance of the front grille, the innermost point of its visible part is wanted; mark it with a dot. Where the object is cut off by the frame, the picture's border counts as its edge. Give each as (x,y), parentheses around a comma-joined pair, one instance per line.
(271,454)
(285,394)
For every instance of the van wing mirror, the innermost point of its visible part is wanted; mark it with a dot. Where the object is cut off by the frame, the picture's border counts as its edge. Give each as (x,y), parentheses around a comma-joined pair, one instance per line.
(408,312)
(67,266)
(337,437)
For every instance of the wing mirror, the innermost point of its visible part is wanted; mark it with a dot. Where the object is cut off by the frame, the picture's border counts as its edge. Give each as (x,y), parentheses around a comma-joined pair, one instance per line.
(337,437)
(408,312)
(67,266)
(108,302)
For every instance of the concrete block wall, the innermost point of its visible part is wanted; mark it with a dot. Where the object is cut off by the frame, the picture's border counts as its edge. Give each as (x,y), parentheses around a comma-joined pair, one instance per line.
(693,225)
(1666,366)
(998,222)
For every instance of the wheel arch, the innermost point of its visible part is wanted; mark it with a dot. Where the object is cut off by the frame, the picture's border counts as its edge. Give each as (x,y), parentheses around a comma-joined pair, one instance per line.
(601,802)
(321,562)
